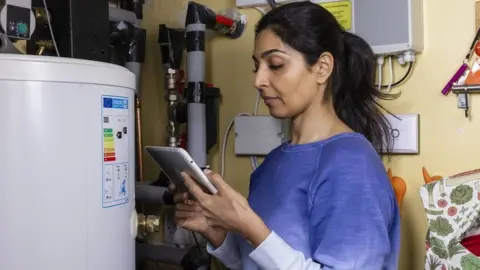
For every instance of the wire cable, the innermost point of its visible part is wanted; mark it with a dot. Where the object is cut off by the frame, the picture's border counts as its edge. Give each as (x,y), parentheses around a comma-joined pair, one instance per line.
(402,80)
(380,60)
(390,66)
(49,22)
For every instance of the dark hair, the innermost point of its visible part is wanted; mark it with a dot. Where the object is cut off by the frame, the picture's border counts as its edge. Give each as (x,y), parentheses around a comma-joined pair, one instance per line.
(312,30)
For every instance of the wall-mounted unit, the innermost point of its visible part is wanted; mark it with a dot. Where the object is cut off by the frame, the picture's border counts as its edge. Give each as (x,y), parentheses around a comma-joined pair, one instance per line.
(391,27)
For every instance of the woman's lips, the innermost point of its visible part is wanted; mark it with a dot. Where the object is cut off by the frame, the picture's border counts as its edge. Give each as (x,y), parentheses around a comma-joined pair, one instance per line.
(269,100)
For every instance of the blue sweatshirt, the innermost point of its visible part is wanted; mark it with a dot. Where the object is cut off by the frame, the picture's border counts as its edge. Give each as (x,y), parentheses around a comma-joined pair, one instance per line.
(329,204)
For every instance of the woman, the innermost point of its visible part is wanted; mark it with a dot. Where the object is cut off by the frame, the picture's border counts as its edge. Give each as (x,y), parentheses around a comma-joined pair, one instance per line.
(322,200)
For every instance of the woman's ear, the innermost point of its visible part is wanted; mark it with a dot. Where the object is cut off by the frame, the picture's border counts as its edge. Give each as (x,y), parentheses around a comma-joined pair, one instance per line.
(324,67)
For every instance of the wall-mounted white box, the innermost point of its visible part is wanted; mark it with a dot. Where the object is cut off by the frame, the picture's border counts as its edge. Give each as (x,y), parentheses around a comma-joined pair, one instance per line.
(390,27)
(260,134)
(405,133)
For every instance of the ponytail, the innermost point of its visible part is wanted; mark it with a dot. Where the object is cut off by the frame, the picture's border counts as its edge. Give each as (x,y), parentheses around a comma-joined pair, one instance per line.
(355,97)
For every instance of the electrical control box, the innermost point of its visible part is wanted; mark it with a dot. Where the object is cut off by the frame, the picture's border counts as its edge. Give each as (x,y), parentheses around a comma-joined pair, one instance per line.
(258,135)
(391,27)
(17,20)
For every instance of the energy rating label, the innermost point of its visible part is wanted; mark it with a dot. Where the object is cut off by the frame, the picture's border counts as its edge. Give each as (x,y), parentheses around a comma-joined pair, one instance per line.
(108,145)
(115,137)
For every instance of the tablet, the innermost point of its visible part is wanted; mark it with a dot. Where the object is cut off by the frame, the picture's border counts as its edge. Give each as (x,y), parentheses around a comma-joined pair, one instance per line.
(175,160)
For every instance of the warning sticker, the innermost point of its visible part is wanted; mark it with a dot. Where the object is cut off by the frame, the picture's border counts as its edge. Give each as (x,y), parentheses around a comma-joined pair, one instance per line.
(342,10)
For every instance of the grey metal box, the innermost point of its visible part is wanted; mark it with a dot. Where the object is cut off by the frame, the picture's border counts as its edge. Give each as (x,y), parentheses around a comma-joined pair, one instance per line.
(258,135)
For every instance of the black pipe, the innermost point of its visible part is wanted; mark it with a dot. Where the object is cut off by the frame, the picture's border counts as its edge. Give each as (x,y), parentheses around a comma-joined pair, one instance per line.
(179,112)
(200,14)
(137,44)
(189,258)
(153,194)
(138,8)
(172,46)
(160,253)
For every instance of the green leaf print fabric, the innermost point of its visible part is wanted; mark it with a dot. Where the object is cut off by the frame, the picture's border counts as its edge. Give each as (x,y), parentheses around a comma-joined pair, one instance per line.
(452,208)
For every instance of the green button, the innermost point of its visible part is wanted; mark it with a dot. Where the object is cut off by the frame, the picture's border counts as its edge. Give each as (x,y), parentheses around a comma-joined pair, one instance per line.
(22,28)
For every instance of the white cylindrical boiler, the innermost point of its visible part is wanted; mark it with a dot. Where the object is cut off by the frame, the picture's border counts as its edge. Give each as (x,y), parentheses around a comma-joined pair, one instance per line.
(67,160)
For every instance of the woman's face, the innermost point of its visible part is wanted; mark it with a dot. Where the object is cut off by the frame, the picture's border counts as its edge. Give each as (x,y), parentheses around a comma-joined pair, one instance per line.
(287,86)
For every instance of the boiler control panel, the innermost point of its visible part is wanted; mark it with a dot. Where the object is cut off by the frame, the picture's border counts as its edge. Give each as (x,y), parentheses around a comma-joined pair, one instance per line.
(17,21)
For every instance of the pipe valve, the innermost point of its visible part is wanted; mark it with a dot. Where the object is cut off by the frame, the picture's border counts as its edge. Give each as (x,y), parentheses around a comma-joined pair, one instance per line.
(171,82)
(148,224)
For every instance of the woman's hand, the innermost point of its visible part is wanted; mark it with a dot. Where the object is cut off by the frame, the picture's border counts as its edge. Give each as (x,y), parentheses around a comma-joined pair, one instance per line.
(228,209)
(189,215)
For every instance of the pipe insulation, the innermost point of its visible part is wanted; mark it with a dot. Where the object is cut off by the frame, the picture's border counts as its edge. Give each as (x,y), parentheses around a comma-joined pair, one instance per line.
(172,47)
(117,15)
(136,54)
(135,68)
(161,253)
(198,16)
(151,194)
(188,258)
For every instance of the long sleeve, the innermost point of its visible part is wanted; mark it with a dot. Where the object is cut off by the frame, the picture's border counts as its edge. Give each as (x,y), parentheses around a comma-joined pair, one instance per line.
(352,211)
(276,254)
(228,253)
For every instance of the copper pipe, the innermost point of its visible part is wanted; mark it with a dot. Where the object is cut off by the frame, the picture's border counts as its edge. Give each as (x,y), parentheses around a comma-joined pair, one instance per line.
(40,50)
(139,139)
(43,45)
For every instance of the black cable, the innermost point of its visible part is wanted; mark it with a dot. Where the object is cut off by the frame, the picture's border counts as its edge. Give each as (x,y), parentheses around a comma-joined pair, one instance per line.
(200,250)
(196,242)
(409,70)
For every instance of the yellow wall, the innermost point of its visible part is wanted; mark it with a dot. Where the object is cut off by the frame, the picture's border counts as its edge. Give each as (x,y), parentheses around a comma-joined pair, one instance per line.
(448,140)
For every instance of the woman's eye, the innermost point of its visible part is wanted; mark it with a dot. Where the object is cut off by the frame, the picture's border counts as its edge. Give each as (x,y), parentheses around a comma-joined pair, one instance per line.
(271,66)
(275,67)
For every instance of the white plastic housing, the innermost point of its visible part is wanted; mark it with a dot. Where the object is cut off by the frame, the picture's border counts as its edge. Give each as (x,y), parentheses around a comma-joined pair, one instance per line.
(62,205)
(390,27)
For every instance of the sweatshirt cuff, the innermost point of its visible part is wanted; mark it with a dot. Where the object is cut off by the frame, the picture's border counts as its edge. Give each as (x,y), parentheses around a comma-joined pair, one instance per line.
(221,250)
(273,253)
(225,252)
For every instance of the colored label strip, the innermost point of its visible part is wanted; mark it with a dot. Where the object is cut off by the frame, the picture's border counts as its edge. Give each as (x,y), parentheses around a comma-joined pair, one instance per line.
(108,145)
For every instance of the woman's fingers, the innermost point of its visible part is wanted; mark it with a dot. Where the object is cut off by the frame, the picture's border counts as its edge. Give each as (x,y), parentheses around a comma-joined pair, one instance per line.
(187,207)
(184,212)
(183,215)
(180,197)
(193,187)
(179,221)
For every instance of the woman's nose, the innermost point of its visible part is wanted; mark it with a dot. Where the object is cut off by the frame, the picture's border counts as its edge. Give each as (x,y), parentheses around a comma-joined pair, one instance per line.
(261,80)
